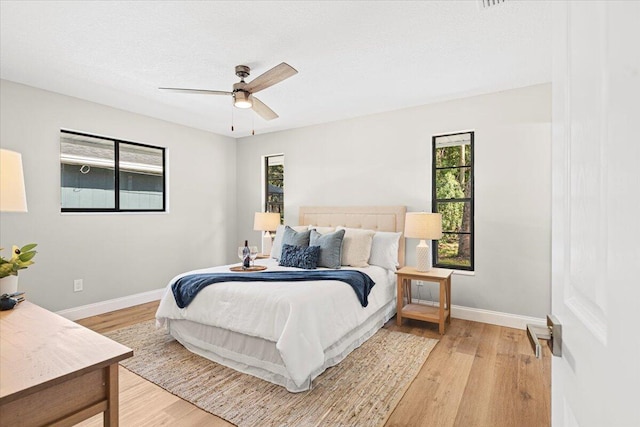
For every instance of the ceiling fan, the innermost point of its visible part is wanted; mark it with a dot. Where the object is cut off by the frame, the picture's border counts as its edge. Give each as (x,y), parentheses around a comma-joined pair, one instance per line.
(243,92)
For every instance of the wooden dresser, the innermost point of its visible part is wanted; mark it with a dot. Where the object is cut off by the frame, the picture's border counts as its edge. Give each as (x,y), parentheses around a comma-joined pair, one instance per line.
(54,371)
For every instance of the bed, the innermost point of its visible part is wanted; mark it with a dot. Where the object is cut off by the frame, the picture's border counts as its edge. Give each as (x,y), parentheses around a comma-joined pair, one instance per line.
(289,333)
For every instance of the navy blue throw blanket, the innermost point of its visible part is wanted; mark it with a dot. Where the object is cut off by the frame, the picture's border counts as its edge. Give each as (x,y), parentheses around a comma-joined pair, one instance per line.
(186,288)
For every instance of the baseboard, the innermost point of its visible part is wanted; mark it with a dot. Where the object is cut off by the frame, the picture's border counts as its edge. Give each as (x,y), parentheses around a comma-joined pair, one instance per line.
(495,317)
(466,313)
(111,305)
(508,320)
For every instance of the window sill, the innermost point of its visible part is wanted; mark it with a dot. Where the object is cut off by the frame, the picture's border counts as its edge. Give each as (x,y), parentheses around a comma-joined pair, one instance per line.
(115,213)
(464,273)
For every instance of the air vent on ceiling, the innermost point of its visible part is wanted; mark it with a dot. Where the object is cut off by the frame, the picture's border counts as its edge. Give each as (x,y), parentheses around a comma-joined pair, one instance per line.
(486,4)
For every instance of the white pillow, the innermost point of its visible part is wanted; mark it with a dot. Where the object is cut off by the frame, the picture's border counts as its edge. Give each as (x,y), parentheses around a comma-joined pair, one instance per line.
(322,230)
(384,250)
(356,246)
(276,247)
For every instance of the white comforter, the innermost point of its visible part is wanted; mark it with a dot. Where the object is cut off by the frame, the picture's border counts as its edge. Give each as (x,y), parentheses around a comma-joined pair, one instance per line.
(302,318)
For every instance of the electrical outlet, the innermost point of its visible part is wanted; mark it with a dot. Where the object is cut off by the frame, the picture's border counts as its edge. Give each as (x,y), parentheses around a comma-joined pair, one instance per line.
(77,285)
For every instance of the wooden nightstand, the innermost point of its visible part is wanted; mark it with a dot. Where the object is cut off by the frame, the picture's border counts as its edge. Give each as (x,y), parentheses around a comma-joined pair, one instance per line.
(439,315)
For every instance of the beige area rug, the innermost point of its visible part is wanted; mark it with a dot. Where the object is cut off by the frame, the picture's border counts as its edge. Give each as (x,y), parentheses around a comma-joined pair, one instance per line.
(362,390)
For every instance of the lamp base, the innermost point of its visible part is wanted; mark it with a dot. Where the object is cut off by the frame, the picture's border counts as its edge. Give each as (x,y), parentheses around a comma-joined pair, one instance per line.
(267,243)
(422,256)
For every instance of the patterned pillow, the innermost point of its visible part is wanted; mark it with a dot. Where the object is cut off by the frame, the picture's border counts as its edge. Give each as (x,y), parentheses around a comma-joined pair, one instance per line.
(295,256)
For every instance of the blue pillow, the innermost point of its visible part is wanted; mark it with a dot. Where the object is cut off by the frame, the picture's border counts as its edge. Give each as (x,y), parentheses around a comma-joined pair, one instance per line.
(295,256)
(295,238)
(330,247)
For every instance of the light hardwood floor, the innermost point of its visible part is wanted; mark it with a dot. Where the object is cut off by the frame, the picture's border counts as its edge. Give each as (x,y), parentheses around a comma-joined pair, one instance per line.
(479,375)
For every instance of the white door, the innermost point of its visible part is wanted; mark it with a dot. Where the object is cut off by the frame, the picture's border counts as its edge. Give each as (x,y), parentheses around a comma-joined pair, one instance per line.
(596,213)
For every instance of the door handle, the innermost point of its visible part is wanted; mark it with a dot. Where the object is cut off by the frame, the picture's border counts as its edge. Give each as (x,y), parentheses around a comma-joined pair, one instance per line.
(552,333)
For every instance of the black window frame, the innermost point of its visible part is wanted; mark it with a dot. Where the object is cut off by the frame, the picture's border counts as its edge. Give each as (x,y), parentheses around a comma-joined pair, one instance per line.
(116,208)
(471,200)
(268,206)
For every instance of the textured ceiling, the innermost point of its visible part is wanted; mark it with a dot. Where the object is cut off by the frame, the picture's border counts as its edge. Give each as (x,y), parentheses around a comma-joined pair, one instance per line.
(354,58)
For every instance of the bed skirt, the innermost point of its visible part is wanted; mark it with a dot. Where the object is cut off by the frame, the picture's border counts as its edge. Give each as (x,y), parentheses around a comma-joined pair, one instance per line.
(259,357)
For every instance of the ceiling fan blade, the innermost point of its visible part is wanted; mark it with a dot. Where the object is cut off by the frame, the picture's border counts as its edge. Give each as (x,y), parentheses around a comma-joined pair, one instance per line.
(264,111)
(197,91)
(271,77)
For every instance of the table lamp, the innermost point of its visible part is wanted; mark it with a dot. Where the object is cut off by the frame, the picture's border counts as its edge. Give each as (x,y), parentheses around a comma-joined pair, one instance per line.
(423,226)
(12,194)
(267,222)
(13,198)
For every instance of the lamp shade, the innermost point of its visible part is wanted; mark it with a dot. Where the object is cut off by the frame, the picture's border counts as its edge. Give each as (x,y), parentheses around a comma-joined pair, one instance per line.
(12,194)
(266,221)
(423,225)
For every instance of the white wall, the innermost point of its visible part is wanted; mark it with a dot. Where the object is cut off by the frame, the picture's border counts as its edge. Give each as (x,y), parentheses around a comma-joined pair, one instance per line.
(115,254)
(385,159)
(378,159)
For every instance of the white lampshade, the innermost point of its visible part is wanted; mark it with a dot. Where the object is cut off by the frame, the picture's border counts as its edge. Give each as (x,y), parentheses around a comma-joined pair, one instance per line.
(13,197)
(266,221)
(423,226)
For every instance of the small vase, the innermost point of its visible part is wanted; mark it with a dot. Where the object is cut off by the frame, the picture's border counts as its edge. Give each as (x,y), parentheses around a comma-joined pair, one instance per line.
(9,285)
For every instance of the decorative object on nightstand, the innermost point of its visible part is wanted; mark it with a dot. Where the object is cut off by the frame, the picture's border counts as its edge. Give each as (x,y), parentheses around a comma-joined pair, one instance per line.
(441,314)
(267,222)
(423,225)
(13,198)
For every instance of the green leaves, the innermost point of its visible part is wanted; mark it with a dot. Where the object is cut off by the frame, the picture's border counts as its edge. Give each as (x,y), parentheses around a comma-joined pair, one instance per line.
(27,248)
(6,269)
(26,256)
(20,259)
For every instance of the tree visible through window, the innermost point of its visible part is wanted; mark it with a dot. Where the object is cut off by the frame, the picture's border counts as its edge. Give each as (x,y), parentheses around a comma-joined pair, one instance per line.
(453,198)
(92,168)
(274,184)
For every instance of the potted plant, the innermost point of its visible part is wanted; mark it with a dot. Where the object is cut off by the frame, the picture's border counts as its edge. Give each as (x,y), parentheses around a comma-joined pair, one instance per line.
(21,258)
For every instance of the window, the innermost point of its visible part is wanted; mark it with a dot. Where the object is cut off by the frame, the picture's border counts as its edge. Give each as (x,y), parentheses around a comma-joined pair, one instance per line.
(93,167)
(274,184)
(453,197)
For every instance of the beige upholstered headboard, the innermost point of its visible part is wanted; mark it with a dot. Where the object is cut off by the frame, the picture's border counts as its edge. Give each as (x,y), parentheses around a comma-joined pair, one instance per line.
(379,218)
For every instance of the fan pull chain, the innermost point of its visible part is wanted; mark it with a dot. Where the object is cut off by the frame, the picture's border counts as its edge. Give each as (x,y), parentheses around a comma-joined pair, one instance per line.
(232,118)
(253,124)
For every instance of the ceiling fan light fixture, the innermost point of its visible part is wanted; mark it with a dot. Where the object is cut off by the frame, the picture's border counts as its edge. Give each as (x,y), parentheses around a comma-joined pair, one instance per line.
(242,99)
(242,92)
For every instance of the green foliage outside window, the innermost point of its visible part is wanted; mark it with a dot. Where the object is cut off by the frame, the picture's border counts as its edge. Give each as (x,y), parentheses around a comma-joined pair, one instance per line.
(448,187)
(453,194)
(275,185)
